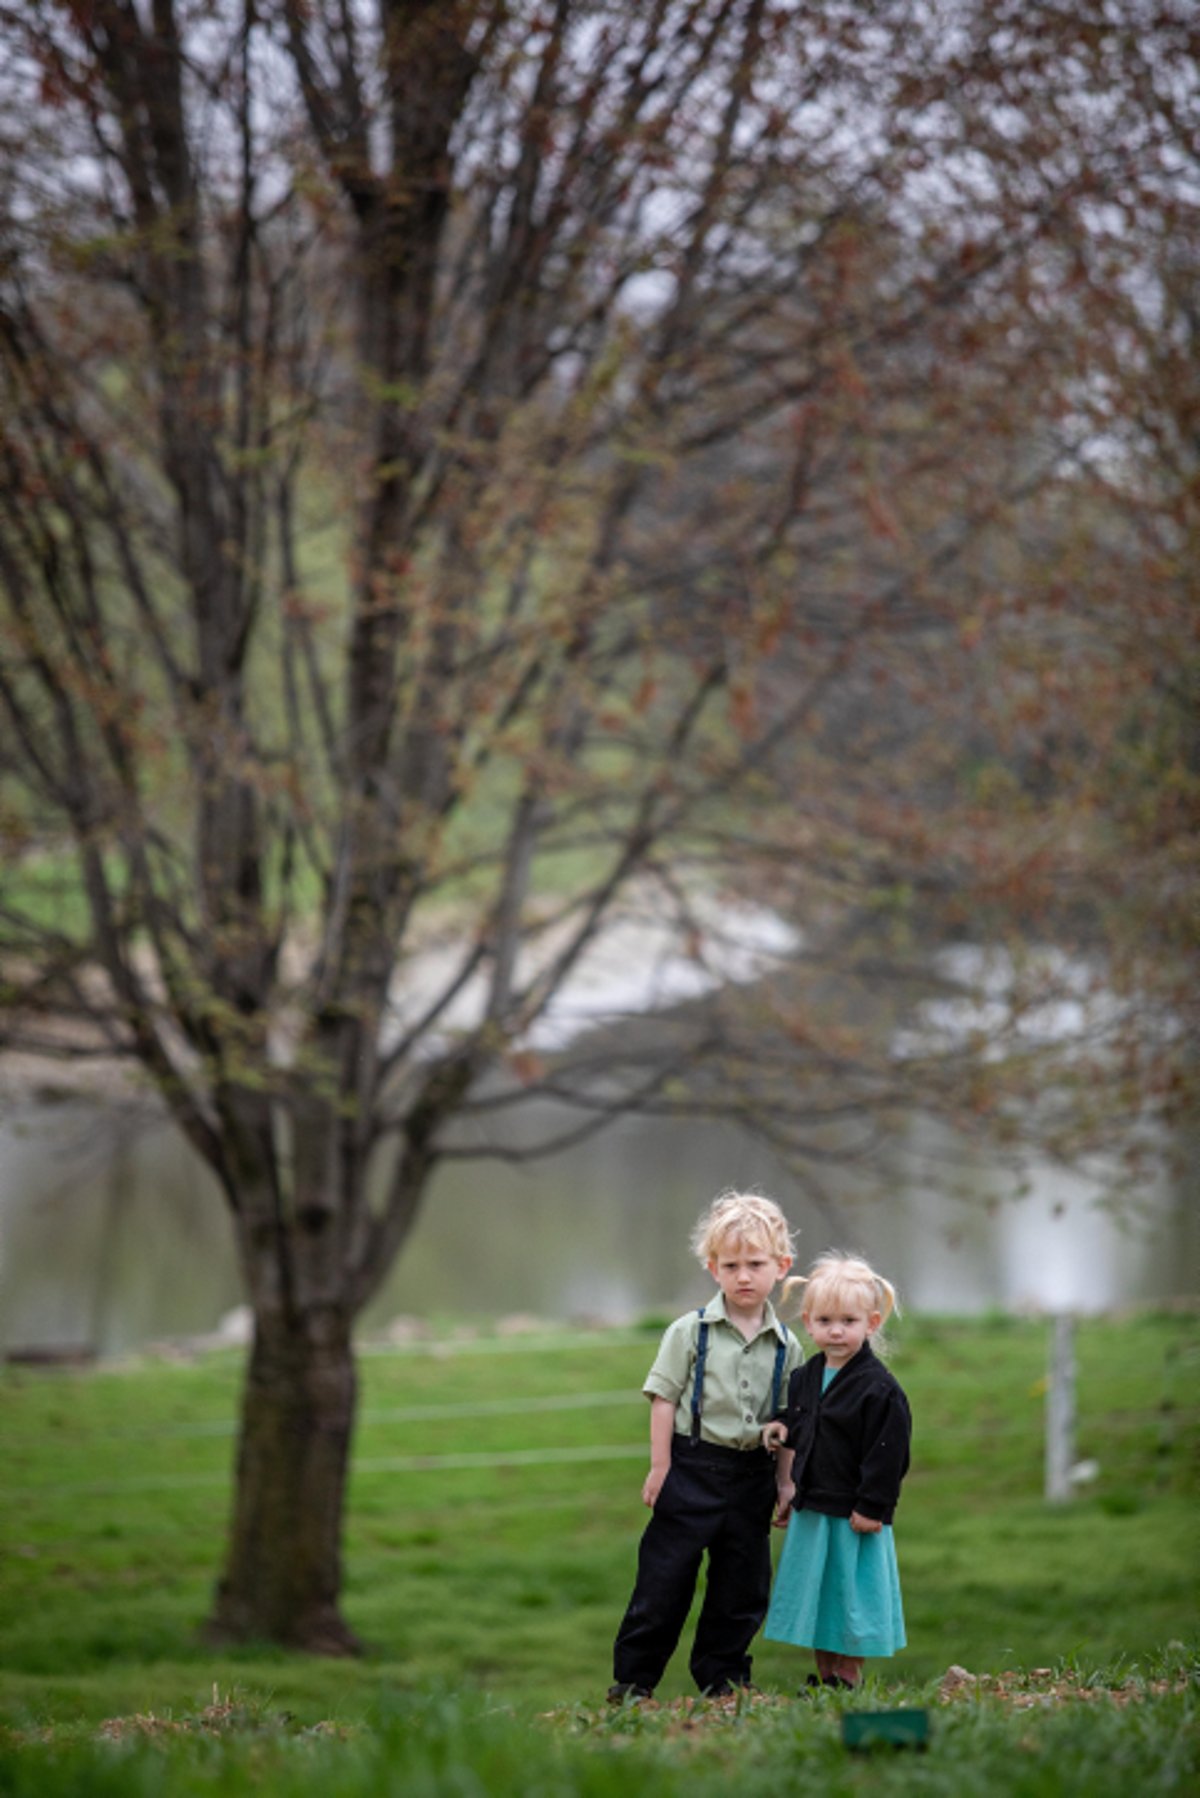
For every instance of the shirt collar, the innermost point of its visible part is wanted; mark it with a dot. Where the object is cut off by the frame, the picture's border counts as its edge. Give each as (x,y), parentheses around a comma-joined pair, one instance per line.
(715,1312)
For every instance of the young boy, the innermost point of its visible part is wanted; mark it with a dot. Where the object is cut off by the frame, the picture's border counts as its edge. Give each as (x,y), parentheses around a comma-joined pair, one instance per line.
(717,1379)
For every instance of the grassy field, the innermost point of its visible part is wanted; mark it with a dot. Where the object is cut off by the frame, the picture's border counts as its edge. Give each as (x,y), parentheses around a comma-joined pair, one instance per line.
(494,1516)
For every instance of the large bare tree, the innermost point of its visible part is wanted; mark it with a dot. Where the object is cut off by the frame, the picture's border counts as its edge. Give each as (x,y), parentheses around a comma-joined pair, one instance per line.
(464,462)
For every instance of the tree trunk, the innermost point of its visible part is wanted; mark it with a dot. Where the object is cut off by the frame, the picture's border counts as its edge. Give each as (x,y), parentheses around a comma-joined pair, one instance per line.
(283,1571)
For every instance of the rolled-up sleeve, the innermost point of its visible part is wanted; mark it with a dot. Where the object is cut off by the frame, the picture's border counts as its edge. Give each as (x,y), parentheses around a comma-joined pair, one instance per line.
(672,1368)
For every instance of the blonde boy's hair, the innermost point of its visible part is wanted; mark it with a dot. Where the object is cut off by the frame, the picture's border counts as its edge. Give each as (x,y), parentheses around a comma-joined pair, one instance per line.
(836,1275)
(742,1217)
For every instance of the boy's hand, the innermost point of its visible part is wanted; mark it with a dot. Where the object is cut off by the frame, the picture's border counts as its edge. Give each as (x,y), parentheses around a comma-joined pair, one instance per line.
(654,1485)
(784,1495)
(774,1435)
(864,1526)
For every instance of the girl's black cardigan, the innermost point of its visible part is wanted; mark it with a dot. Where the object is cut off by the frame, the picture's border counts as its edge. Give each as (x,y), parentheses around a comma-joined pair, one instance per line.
(851,1443)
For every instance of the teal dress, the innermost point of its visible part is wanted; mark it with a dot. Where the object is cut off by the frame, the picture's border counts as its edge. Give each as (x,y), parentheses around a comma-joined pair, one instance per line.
(834,1589)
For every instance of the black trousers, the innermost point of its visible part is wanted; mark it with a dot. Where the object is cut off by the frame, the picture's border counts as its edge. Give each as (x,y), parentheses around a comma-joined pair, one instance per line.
(715,1499)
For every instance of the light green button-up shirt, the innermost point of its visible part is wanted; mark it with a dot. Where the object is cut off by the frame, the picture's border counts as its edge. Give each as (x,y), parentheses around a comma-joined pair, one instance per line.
(736,1401)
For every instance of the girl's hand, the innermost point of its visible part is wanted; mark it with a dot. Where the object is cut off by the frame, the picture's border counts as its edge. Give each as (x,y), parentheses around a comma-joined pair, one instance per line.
(864,1526)
(653,1485)
(774,1435)
(784,1495)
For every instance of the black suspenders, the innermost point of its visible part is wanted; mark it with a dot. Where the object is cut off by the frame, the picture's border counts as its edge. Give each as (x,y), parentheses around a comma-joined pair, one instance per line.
(698,1381)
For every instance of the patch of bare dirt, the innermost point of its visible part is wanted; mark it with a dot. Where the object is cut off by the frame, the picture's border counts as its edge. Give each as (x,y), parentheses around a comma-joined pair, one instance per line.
(224,1716)
(1043,1687)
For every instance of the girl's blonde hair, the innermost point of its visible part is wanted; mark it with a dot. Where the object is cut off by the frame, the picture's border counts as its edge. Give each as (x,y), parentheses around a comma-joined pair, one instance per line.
(742,1217)
(835,1276)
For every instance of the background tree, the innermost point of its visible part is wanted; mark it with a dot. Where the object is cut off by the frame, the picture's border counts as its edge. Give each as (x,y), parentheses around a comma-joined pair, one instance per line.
(470,471)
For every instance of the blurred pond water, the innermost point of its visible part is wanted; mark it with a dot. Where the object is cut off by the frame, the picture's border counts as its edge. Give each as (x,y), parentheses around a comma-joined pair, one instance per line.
(112,1235)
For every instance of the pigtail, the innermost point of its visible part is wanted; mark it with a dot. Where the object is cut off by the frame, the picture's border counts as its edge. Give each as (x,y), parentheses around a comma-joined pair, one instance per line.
(889,1304)
(790,1290)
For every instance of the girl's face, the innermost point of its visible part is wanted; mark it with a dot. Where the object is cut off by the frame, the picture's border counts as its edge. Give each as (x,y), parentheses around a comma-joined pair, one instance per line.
(839,1323)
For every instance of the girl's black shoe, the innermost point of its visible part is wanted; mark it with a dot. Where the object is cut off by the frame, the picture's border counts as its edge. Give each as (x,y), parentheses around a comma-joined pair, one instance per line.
(834,1681)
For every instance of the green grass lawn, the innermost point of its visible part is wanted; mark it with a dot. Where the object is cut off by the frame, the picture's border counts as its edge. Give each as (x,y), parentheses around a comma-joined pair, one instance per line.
(493,1521)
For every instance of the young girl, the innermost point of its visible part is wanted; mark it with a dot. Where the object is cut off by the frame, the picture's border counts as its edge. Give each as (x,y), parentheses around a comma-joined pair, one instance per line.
(841,1453)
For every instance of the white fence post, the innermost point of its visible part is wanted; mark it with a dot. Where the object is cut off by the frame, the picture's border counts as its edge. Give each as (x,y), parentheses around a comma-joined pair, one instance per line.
(1060,1411)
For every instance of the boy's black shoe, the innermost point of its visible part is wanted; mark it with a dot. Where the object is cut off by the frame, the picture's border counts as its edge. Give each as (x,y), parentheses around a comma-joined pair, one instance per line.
(623,1689)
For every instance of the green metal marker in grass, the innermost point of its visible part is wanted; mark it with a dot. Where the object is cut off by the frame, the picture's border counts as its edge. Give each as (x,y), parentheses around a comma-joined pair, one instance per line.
(892,1729)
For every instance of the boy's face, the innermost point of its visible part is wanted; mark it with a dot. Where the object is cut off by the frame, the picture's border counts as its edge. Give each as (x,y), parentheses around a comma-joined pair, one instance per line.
(746,1272)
